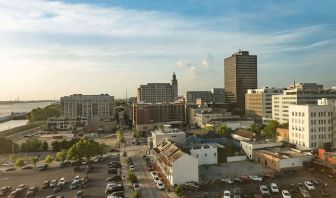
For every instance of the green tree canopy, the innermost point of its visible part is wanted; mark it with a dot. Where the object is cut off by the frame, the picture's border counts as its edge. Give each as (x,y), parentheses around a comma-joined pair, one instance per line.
(48,159)
(223,131)
(61,156)
(6,145)
(136,194)
(34,160)
(42,114)
(32,145)
(19,163)
(131,177)
(256,128)
(270,129)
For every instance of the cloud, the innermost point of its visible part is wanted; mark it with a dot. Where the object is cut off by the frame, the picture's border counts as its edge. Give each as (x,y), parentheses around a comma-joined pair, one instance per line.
(183,64)
(207,61)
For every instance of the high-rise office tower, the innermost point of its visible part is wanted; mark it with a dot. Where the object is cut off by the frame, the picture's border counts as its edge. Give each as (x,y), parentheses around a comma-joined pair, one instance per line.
(240,74)
(175,86)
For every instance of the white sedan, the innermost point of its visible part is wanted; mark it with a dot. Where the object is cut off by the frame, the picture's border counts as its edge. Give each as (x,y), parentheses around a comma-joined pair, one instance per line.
(285,194)
(154,174)
(156,179)
(264,190)
(62,181)
(309,185)
(274,188)
(227,194)
(160,185)
(255,178)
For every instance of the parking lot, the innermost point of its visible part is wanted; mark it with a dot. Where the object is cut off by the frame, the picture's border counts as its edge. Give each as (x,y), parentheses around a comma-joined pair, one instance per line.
(95,186)
(288,181)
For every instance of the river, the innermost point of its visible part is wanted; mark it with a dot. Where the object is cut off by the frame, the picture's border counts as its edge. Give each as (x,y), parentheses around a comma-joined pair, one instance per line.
(7,109)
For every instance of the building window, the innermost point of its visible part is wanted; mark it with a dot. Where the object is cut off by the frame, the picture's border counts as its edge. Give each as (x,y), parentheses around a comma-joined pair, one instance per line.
(215,154)
(205,154)
(196,155)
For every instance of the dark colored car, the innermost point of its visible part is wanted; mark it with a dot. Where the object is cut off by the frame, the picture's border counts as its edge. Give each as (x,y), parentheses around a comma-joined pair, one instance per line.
(79,194)
(27,167)
(42,167)
(113,171)
(10,169)
(113,178)
(118,194)
(57,189)
(32,191)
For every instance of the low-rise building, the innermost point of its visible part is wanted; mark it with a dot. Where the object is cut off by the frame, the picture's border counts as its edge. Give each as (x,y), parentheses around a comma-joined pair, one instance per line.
(282,134)
(243,135)
(233,123)
(208,153)
(281,159)
(249,146)
(166,132)
(176,163)
(62,123)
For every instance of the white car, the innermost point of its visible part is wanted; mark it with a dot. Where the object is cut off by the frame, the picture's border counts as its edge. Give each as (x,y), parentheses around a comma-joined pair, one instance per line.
(274,188)
(285,194)
(309,185)
(62,181)
(255,178)
(264,190)
(132,168)
(227,180)
(53,183)
(160,185)
(136,186)
(154,174)
(227,194)
(7,164)
(156,179)
(77,179)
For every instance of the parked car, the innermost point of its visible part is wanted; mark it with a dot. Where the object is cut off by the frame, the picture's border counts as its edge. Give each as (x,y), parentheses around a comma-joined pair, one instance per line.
(5,190)
(236,193)
(62,181)
(79,194)
(285,194)
(304,193)
(117,194)
(156,179)
(8,164)
(150,168)
(154,174)
(42,167)
(264,190)
(32,191)
(57,188)
(10,169)
(73,185)
(77,179)
(274,188)
(136,186)
(227,194)
(45,184)
(132,168)
(255,178)
(309,185)
(14,194)
(114,178)
(53,183)
(228,181)
(160,185)
(27,167)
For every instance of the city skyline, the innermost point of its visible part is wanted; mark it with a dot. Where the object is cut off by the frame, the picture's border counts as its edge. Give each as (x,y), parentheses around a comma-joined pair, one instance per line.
(55,48)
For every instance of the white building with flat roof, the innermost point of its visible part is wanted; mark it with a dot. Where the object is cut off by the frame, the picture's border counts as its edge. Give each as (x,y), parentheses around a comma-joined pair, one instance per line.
(205,153)
(310,126)
(249,146)
(298,93)
(166,132)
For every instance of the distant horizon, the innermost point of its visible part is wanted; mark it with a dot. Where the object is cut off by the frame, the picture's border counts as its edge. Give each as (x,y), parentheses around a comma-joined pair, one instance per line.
(54,48)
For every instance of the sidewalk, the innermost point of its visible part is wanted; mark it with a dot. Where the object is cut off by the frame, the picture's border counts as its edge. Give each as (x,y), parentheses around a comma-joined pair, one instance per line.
(124,172)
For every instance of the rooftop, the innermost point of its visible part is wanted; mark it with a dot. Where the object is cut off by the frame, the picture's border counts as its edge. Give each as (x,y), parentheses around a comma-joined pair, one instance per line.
(205,146)
(283,153)
(169,151)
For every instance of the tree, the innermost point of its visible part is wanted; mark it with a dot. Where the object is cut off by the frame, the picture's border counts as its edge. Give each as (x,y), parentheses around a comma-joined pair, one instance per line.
(31,145)
(102,149)
(284,125)
(34,160)
(120,136)
(12,157)
(270,130)
(61,156)
(256,128)
(136,194)
(19,163)
(223,131)
(48,159)
(44,146)
(178,190)
(41,114)
(55,146)
(6,145)
(131,177)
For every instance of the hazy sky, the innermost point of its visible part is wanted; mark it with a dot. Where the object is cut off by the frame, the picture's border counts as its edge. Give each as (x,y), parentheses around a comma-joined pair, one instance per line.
(53,48)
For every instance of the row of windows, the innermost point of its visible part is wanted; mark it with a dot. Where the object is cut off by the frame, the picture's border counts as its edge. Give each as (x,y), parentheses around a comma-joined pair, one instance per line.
(298,114)
(314,122)
(321,136)
(321,114)
(197,156)
(299,121)
(322,129)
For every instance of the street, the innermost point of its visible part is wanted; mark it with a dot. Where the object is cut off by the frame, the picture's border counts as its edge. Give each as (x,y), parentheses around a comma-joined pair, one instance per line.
(148,188)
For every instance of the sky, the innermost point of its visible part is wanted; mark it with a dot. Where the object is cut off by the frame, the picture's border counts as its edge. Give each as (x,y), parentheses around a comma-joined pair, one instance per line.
(49,49)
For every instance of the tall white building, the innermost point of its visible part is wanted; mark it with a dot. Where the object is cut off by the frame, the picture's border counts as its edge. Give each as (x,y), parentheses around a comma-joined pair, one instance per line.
(88,106)
(298,93)
(310,126)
